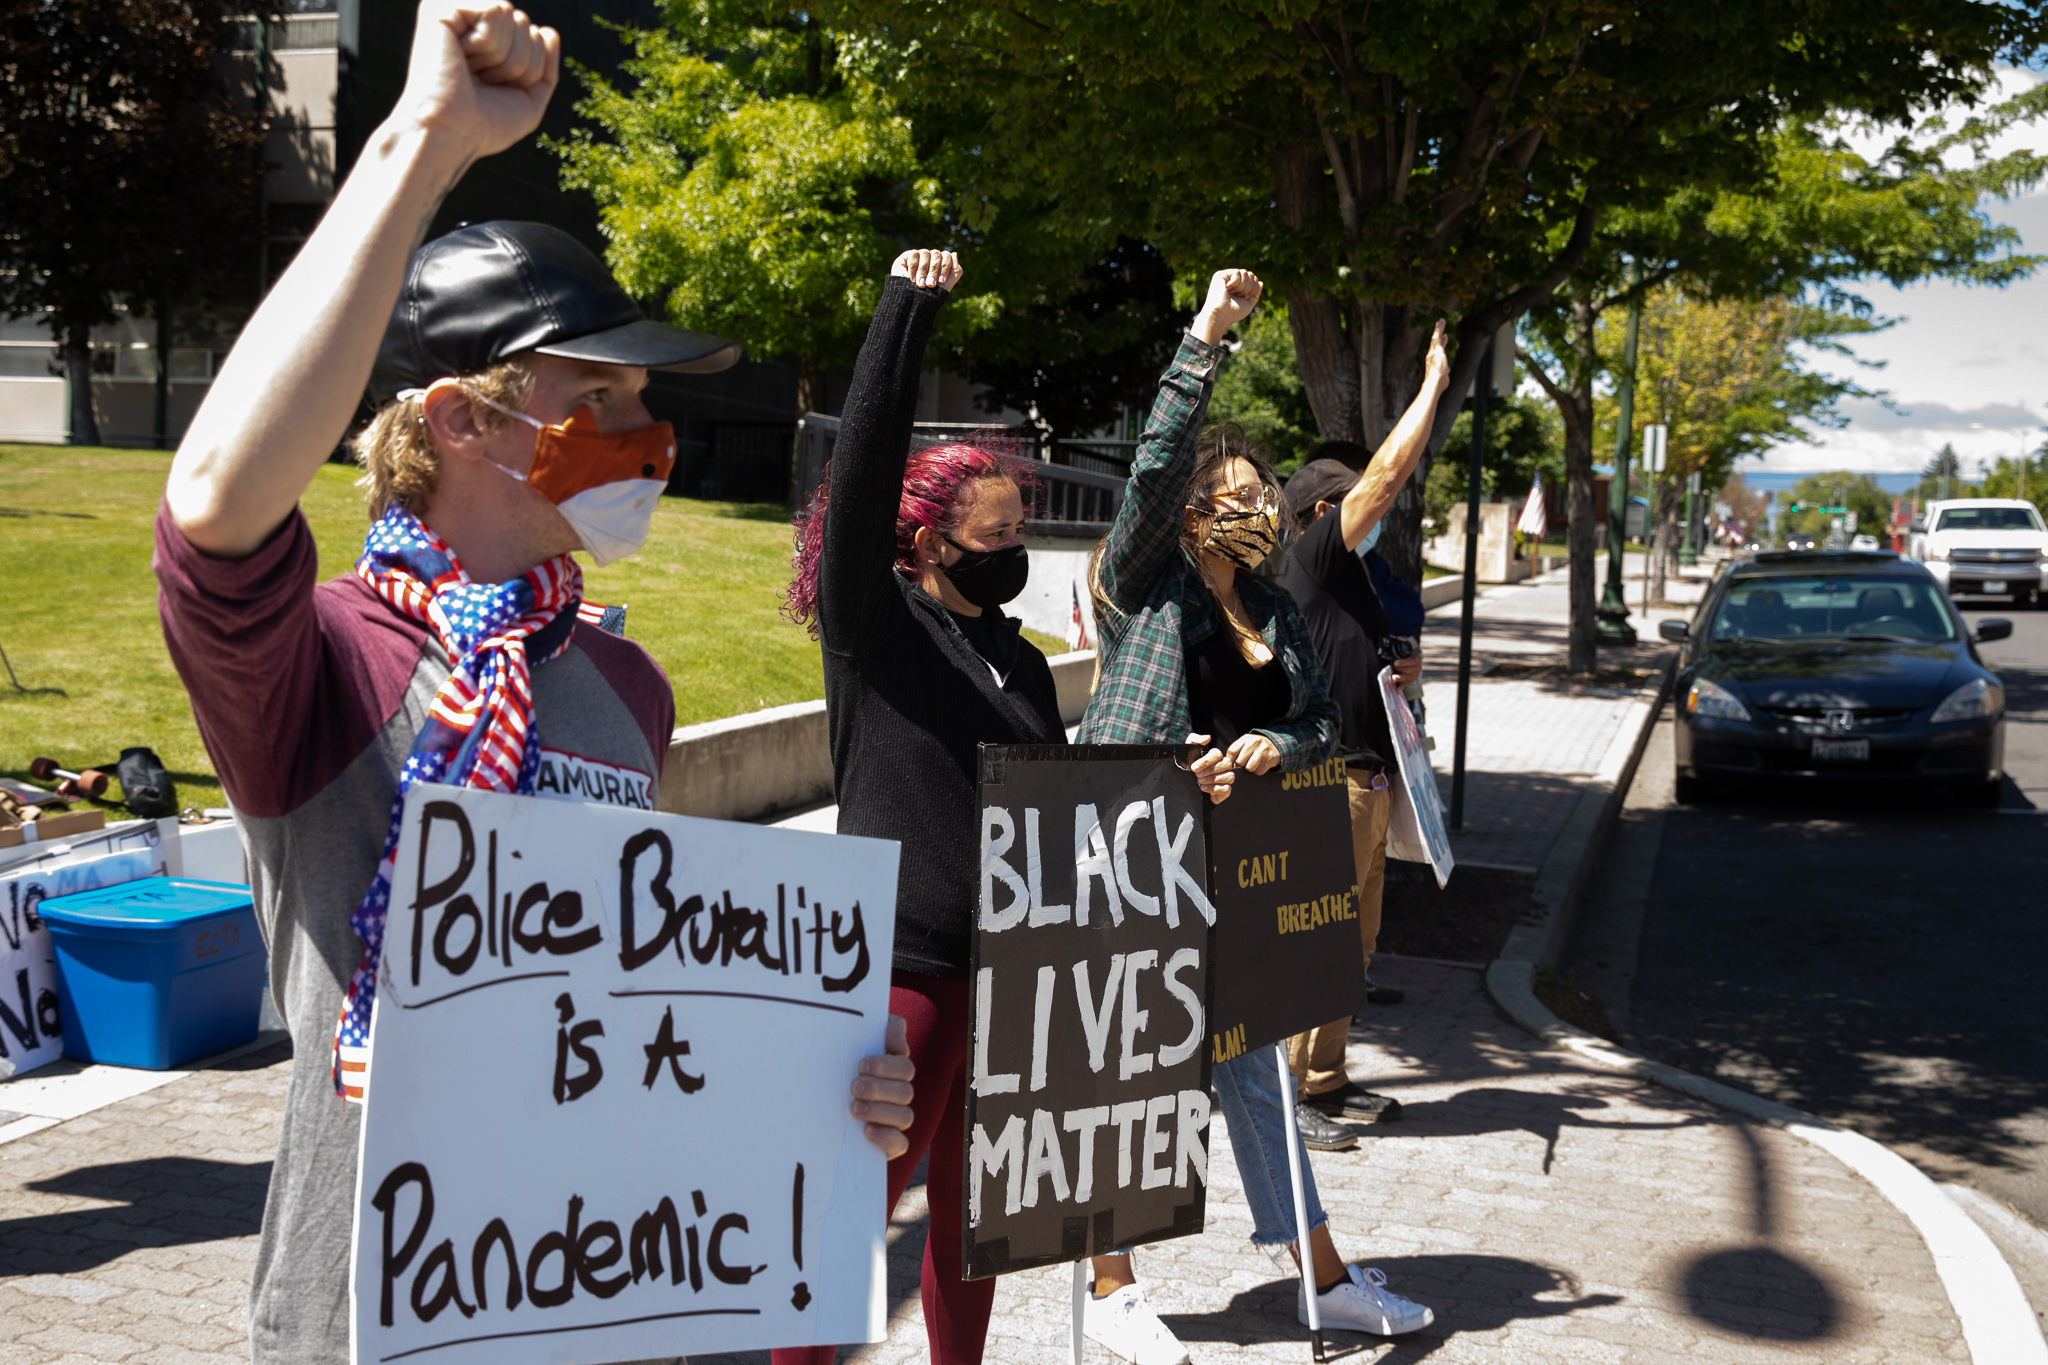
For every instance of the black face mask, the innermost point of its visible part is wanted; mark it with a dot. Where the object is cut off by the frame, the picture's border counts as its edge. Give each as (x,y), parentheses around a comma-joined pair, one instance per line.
(988,578)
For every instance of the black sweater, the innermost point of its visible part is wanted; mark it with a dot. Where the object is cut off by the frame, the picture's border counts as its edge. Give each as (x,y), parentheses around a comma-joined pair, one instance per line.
(907,696)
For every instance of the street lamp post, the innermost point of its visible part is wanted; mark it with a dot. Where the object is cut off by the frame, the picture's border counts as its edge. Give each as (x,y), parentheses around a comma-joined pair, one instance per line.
(1612,613)
(1688,554)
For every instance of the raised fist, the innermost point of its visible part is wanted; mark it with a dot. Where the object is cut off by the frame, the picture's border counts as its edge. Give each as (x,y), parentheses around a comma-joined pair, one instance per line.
(480,73)
(929,269)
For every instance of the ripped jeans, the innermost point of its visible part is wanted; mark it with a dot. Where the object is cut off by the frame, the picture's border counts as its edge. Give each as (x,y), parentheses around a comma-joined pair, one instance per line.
(1249,1087)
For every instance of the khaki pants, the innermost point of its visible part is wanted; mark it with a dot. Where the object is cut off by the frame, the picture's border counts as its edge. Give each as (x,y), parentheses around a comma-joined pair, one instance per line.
(1317,1057)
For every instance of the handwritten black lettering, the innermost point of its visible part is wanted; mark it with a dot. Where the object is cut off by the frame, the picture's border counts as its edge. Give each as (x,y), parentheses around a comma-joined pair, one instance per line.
(575,1040)
(425,896)
(385,1201)
(666,1047)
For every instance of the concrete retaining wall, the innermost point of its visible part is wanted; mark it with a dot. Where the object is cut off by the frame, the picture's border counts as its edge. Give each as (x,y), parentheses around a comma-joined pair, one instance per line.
(745,767)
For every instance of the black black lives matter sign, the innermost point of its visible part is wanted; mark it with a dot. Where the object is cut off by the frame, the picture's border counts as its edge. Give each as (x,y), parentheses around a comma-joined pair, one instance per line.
(1286,890)
(1088,1099)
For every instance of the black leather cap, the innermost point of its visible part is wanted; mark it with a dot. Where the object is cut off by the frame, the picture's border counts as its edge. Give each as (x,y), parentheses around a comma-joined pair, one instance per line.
(489,291)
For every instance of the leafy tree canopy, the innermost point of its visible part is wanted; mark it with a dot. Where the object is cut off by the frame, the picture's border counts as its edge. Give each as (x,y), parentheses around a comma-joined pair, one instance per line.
(1858,492)
(1259,387)
(1523,442)
(125,169)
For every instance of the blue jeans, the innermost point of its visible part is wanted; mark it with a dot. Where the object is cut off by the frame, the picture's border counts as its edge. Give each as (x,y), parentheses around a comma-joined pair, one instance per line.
(1249,1089)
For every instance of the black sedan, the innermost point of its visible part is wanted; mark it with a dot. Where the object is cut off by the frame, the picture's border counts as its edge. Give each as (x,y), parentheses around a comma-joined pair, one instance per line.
(1834,667)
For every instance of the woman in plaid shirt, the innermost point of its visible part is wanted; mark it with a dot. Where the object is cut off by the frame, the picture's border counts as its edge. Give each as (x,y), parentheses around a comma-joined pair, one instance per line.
(1195,649)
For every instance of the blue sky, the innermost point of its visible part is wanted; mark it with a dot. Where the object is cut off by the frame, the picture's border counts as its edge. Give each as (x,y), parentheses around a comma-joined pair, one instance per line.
(1967,367)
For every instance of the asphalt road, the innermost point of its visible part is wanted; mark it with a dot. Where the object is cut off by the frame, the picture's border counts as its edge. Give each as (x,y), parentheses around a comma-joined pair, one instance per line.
(1876,960)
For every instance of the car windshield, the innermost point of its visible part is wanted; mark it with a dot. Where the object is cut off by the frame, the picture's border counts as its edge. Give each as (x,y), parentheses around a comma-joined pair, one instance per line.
(1989,519)
(1832,606)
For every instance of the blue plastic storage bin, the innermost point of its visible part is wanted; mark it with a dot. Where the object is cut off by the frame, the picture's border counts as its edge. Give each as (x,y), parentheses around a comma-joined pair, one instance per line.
(158,971)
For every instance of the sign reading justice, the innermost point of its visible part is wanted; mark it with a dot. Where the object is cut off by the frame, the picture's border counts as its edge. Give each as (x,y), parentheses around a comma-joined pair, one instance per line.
(1088,1103)
(583,1015)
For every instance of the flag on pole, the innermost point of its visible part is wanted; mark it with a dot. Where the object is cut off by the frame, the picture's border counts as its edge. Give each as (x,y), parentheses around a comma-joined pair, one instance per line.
(1077,625)
(1535,515)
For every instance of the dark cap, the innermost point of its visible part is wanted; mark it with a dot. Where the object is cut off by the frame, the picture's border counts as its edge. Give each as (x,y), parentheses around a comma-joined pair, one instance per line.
(1318,481)
(489,291)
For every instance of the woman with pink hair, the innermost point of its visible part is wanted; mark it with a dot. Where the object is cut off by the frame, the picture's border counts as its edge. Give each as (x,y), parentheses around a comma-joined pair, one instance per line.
(903,563)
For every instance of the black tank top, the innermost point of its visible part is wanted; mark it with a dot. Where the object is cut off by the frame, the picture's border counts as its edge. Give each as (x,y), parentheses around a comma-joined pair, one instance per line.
(1228,697)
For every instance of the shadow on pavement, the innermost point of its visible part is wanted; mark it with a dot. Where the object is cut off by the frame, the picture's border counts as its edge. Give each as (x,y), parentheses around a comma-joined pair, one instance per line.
(1761,1293)
(157,1201)
(1873,962)
(1470,1293)
(1486,1109)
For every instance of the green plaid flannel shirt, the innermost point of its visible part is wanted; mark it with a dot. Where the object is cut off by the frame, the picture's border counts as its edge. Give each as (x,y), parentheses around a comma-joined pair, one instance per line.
(1159,604)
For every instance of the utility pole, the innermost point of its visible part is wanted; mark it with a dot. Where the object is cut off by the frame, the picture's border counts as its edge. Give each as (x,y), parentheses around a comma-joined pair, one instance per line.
(1613,627)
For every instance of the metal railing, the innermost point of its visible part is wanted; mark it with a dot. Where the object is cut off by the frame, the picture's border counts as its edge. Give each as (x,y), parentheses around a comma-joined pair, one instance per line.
(1071,500)
(1098,457)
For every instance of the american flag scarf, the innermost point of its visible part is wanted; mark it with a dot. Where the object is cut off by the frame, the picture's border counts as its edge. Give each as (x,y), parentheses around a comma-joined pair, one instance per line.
(479,730)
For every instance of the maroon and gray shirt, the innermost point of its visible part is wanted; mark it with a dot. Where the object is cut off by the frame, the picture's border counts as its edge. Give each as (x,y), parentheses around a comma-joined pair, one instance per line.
(308,696)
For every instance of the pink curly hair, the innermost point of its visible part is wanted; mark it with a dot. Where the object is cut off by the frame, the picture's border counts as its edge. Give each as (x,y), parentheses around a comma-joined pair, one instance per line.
(934,482)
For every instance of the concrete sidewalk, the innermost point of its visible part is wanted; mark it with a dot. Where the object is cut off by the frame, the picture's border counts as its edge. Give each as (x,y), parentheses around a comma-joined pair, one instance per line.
(1535,737)
(1548,1212)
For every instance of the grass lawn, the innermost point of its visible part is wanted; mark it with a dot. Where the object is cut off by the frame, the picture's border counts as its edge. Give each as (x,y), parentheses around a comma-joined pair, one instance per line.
(79,621)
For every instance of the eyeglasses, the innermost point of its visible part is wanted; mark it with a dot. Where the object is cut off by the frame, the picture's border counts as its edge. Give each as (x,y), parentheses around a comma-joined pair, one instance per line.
(1253,497)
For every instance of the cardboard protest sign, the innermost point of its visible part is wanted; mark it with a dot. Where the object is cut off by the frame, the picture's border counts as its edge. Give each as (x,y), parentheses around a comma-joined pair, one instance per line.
(31,1017)
(607,1113)
(1088,1100)
(1287,905)
(1416,832)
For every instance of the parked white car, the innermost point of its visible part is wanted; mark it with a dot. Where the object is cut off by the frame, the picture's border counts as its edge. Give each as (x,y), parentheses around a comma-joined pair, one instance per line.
(1994,546)
(1864,543)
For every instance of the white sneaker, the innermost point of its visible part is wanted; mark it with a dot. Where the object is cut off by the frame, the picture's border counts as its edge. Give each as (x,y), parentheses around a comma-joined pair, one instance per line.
(1125,1325)
(1363,1303)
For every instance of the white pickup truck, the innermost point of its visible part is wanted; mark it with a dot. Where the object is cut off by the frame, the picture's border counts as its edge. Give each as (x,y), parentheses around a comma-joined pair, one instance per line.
(1994,546)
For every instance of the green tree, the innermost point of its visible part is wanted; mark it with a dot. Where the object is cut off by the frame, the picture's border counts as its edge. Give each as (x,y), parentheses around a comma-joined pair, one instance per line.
(1941,476)
(1259,388)
(1821,218)
(1078,360)
(1523,443)
(758,179)
(1448,157)
(1805,509)
(126,172)
(2013,478)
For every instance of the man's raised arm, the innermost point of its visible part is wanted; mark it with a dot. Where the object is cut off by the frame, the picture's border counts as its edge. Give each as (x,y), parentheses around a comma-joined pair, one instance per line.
(478,80)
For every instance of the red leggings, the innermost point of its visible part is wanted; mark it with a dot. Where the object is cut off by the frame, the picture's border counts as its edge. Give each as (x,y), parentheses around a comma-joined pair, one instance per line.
(955,1310)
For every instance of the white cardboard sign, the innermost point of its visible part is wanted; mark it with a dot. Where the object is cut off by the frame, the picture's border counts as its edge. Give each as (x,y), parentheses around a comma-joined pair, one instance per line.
(31,1023)
(1416,831)
(608,1096)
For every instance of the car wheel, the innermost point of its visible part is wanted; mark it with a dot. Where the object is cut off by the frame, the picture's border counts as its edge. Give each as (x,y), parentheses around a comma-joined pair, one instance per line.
(1692,791)
(1982,795)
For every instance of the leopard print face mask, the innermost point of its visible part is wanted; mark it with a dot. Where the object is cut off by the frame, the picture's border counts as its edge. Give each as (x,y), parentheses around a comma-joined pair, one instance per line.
(1246,539)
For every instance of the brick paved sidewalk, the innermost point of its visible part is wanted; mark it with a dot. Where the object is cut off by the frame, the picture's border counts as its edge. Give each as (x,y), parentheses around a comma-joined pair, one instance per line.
(1547,1213)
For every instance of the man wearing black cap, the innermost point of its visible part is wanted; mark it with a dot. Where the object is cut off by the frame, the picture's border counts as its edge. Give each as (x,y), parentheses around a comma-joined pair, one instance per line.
(1337,510)
(506,367)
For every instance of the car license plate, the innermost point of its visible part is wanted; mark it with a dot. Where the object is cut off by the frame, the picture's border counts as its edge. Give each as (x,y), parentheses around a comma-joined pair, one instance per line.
(1995,585)
(1841,751)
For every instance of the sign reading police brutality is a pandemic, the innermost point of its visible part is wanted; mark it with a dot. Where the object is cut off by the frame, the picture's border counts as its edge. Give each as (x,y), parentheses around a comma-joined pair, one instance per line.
(1287,897)
(1088,1099)
(608,1098)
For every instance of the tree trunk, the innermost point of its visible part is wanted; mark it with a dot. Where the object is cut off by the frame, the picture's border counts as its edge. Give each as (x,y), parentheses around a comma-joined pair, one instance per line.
(1328,363)
(85,427)
(810,385)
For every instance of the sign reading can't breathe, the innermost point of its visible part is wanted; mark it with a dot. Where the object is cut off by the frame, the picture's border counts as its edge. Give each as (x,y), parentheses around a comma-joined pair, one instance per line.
(1088,1095)
(584,1014)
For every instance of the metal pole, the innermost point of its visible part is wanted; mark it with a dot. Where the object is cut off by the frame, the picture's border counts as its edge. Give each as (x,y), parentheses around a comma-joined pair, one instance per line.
(1303,1257)
(1687,554)
(1080,1289)
(1613,628)
(1481,384)
(163,374)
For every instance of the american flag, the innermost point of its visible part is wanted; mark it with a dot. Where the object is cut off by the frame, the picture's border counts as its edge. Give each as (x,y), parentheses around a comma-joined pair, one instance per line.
(1535,515)
(1077,625)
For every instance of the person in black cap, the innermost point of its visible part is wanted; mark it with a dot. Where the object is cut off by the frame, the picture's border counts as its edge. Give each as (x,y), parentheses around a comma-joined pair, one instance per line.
(1339,511)
(506,366)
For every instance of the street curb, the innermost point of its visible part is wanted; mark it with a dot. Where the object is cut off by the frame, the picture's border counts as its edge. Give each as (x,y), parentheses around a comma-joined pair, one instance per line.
(1562,877)
(1999,1325)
